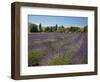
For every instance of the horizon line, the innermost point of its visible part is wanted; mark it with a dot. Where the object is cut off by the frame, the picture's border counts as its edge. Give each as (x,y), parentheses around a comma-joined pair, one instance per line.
(58,25)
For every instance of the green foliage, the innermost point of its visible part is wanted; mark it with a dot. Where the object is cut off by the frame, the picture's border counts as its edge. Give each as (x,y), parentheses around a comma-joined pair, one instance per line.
(37,42)
(51,28)
(61,29)
(54,45)
(82,60)
(58,60)
(28,27)
(73,50)
(74,29)
(34,56)
(40,27)
(33,28)
(47,29)
(85,28)
(50,42)
(56,28)
(69,53)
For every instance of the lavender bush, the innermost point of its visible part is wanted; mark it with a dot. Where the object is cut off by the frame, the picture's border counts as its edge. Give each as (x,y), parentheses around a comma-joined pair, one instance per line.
(52,48)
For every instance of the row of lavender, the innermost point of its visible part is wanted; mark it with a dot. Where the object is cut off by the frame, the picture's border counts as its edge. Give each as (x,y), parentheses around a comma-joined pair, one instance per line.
(57,48)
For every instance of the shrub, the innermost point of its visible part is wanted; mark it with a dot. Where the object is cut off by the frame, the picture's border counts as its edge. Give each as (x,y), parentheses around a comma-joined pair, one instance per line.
(36,42)
(58,60)
(34,56)
(83,59)
(54,46)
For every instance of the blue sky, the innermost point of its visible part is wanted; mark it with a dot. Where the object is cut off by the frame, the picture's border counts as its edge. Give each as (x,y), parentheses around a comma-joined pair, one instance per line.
(60,20)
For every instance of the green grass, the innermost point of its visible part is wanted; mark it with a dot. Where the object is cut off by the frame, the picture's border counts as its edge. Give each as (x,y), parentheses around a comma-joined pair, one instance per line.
(54,46)
(36,42)
(70,52)
(83,59)
(39,42)
(58,60)
(34,56)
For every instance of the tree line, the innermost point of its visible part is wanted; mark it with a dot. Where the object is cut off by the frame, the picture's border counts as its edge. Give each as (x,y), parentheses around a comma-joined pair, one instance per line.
(56,28)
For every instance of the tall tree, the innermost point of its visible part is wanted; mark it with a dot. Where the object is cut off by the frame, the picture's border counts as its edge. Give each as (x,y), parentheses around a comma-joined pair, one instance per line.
(51,29)
(40,27)
(56,27)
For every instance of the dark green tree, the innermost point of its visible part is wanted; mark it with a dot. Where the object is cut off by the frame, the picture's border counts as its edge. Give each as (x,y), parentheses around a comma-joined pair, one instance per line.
(40,27)
(62,27)
(47,29)
(51,29)
(85,28)
(56,27)
(74,29)
(33,28)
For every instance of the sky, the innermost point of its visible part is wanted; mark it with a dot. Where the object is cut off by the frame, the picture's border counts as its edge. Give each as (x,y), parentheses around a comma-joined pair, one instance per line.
(59,20)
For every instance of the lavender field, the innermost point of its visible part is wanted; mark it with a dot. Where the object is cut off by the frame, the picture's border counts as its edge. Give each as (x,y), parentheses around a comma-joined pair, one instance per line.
(55,48)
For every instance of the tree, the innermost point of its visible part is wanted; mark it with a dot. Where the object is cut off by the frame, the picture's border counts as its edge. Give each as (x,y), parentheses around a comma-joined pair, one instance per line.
(47,29)
(74,29)
(56,27)
(51,29)
(62,27)
(85,28)
(33,28)
(40,28)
